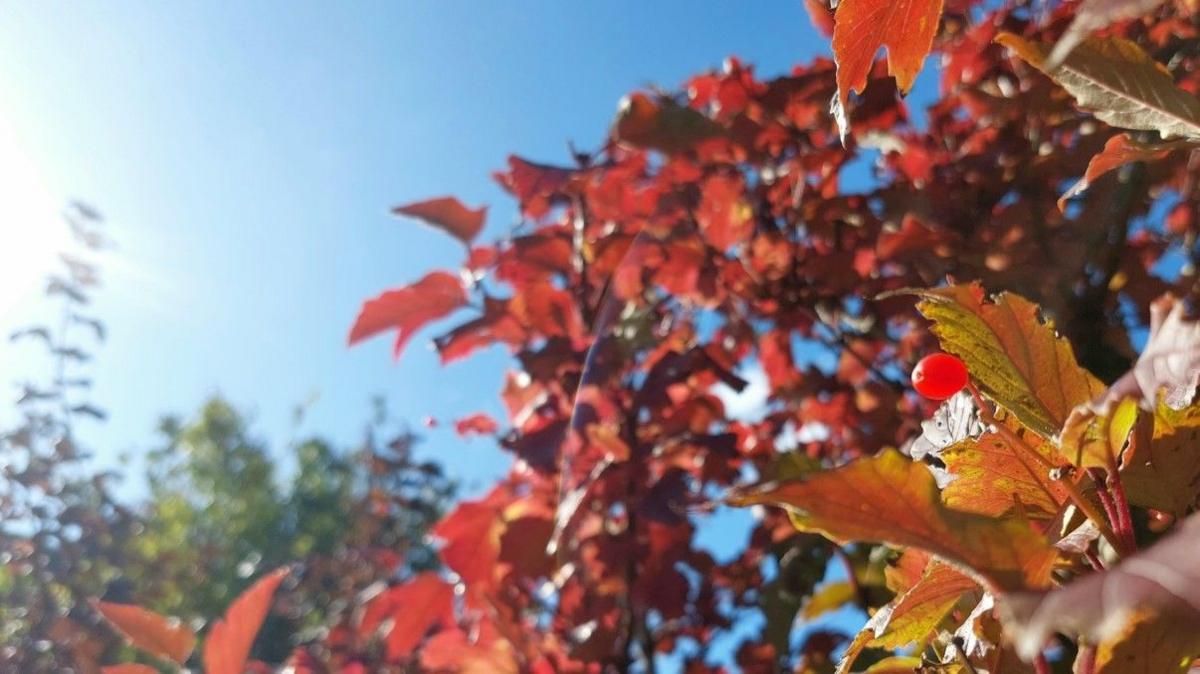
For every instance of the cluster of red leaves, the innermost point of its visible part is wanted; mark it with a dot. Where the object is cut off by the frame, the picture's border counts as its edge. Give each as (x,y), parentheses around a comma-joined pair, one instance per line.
(713,235)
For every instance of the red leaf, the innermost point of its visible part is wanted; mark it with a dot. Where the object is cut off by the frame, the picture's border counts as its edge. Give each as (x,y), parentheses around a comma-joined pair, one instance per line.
(905,27)
(476,424)
(1119,151)
(149,631)
(414,607)
(449,215)
(228,642)
(409,308)
(128,669)
(472,535)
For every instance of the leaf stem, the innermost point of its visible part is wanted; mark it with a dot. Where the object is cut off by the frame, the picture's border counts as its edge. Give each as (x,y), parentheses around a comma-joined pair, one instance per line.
(1040,665)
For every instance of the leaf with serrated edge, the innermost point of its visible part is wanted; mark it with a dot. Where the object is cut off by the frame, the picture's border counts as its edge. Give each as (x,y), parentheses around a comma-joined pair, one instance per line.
(1118,82)
(1014,356)
(891,499)
(990,476)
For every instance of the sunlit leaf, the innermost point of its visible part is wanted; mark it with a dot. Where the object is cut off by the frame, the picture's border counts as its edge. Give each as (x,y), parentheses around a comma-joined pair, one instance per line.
(1161,469)
(1119,151)
(1092,15)
(156,634)
(861,27)
(992,475)
(413,608)
(449,215)
(1014,356)
(228,642)
(1118,82)
(409,308)
(889,498)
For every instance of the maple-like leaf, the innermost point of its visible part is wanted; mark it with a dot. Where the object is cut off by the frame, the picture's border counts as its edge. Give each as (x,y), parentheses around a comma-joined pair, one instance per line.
(1118,82)
(891,499)
(1092,15)
(861,27)
(1119,151)
(992,474)
(472,534)
(228,642)
(156,634)
(1170,362)
(1141,614)
(449,215)
(1014,356)
(408,309)
(914,614)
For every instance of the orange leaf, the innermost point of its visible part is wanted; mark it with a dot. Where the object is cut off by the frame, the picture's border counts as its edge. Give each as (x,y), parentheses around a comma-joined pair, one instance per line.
(409,308)
(228,642)
(905,27)
(476,424)
(129,668)
(472,534)
(414,607)
(149,631)
(991,475)
(1119,151)
(889,498)
(449,215)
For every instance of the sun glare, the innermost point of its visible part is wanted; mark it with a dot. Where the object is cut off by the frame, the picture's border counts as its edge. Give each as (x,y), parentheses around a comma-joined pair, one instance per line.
(32,233)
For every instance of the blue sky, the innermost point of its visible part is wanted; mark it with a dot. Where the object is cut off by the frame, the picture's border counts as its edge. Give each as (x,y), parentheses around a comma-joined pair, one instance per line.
(246,155)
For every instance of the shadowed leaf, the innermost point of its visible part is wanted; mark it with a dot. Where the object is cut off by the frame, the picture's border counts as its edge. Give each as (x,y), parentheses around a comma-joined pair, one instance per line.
(1119,151)
(1092,15)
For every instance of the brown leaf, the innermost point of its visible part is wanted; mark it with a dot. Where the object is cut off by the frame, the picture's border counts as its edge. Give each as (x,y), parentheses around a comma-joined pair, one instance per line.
(1119,151)
(1119,82)
(1141,614)
(1014,356)
(228,642)
(449,215)
(409,308)
(149,631)
(888,498)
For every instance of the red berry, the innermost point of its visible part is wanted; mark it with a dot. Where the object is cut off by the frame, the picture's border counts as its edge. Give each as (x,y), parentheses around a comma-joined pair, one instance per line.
(939,376)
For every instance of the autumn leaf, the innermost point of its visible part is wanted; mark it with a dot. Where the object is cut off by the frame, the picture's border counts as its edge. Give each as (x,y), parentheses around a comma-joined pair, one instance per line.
(861,27)
(1119,151)
(409,308)
(891,499)
(472,534)
(476,424)
(413,607)
(449,215)
(1141,614)
(228,642)
(993,473)
(829,597)
(661,125)
(1161,469)
(149,631)
(1092,15)
(1014,356)
(914,614)
(1118,82)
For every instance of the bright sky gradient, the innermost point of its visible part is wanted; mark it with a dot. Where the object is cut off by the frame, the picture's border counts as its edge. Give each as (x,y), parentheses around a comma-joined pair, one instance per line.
(246,155)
